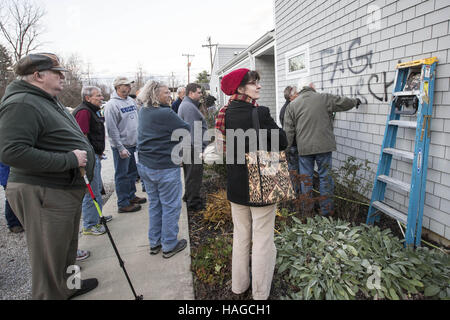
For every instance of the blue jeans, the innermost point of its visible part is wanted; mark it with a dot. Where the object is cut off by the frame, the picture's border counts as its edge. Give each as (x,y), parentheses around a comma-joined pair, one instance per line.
(306,166)
(164,191)
(11,219)
(90,214)
(292,157)
(125,177)
(292,161)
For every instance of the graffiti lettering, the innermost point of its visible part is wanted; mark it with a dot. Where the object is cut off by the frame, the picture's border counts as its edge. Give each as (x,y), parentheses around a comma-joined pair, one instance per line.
(386,85)
(355,91)
(339,62)
(367,58)
(356,65)
(324,67)
(358,88)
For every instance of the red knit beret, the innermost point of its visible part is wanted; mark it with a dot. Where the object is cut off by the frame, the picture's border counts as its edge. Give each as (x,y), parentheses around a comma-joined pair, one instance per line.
(230,83)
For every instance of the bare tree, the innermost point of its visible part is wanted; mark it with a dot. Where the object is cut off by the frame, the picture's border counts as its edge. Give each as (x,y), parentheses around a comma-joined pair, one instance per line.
(106,91)
(87,74)
(71,94)
(20,25)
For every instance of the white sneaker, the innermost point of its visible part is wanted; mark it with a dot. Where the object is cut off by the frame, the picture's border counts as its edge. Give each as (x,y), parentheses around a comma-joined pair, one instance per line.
(96,230)
(82,254)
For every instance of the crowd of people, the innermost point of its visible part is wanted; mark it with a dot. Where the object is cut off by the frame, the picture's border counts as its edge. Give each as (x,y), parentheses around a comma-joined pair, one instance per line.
(45,146)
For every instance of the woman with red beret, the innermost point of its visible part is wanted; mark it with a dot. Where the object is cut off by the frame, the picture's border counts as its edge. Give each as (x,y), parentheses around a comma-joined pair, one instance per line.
(253,224)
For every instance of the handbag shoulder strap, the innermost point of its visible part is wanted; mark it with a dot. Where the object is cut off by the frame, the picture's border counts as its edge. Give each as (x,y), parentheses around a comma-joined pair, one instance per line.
(255,119)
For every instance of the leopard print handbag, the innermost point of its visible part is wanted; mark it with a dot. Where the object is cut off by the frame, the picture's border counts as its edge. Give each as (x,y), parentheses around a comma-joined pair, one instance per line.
(268,174)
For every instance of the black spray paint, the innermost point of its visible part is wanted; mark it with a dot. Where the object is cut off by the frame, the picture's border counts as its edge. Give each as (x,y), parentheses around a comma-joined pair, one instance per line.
(356,65)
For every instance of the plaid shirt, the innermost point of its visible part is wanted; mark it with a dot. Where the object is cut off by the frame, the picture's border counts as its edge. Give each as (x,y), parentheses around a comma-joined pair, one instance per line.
(220,120)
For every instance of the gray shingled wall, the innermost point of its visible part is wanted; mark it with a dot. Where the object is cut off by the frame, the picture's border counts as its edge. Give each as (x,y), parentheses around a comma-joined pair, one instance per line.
(352,54)
(265,65)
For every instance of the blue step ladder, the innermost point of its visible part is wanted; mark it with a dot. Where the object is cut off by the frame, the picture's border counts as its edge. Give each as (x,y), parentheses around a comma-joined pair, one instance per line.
(412,97)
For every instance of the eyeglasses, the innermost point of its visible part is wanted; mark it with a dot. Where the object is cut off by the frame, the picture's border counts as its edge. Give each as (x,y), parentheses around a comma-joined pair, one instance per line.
(256,82)
(59,73)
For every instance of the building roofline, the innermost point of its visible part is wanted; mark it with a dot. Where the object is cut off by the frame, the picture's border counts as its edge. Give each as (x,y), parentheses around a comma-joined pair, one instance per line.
(262,41)
(228,46)
(231,46)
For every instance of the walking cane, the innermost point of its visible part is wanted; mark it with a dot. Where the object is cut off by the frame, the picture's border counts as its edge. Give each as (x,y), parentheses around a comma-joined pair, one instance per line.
(103,221)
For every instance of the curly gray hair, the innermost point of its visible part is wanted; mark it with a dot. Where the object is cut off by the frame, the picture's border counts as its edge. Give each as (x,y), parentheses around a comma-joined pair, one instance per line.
(149,94)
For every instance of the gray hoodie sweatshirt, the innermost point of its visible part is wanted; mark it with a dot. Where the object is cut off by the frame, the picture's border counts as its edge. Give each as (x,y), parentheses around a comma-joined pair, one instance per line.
(121,118)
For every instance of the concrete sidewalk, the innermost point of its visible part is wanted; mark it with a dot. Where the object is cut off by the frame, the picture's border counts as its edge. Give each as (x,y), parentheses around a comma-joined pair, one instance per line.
(154,277)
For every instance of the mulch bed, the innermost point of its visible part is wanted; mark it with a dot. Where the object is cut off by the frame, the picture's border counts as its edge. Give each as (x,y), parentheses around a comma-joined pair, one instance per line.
(200,231)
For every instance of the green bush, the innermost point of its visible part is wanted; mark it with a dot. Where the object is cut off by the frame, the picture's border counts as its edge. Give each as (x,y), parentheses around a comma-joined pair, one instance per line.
(329,259)
(219,169)
(211,262)
(210,118)
(353,181)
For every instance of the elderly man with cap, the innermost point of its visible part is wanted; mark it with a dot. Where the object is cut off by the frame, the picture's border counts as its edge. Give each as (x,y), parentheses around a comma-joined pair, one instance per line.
(121,123)
(45,147)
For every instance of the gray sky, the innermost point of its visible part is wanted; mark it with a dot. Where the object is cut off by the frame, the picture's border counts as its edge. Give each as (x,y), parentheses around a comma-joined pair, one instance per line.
(116,36)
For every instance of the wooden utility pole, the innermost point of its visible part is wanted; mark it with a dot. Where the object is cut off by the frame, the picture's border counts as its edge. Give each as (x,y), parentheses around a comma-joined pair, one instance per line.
(139,78)
(188,65)
(88,73)
(210,46)
(172,78)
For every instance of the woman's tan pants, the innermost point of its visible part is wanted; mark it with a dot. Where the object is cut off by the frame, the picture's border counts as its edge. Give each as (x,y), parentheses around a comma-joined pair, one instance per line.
(253,227)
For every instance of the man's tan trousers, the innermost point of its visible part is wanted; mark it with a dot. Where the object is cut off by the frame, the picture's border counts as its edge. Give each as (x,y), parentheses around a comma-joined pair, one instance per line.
(253,228)
(51,218)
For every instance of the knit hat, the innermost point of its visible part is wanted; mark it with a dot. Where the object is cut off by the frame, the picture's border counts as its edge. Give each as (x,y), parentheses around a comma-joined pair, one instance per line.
(230,83)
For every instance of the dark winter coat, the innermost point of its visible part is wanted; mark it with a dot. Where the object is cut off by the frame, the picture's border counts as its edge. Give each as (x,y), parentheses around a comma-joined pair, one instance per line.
(308,120)
(239,116)
(38,136)
(176,105)
(282,111)
(96,133)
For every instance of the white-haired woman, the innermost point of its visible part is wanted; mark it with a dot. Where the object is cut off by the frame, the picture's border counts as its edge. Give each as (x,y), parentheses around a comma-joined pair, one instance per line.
(160,174)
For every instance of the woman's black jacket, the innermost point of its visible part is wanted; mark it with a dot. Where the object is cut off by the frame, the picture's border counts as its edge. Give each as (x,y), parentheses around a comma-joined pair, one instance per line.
(239,116)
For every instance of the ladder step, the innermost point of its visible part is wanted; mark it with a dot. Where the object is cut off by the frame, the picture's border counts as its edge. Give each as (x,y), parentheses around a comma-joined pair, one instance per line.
(411,108)
(403,124)
(406,93)
(393,213)
(395,183)
(400,153)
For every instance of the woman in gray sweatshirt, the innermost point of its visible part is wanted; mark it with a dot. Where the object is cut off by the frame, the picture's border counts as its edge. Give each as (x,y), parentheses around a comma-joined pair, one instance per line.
(161,176)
